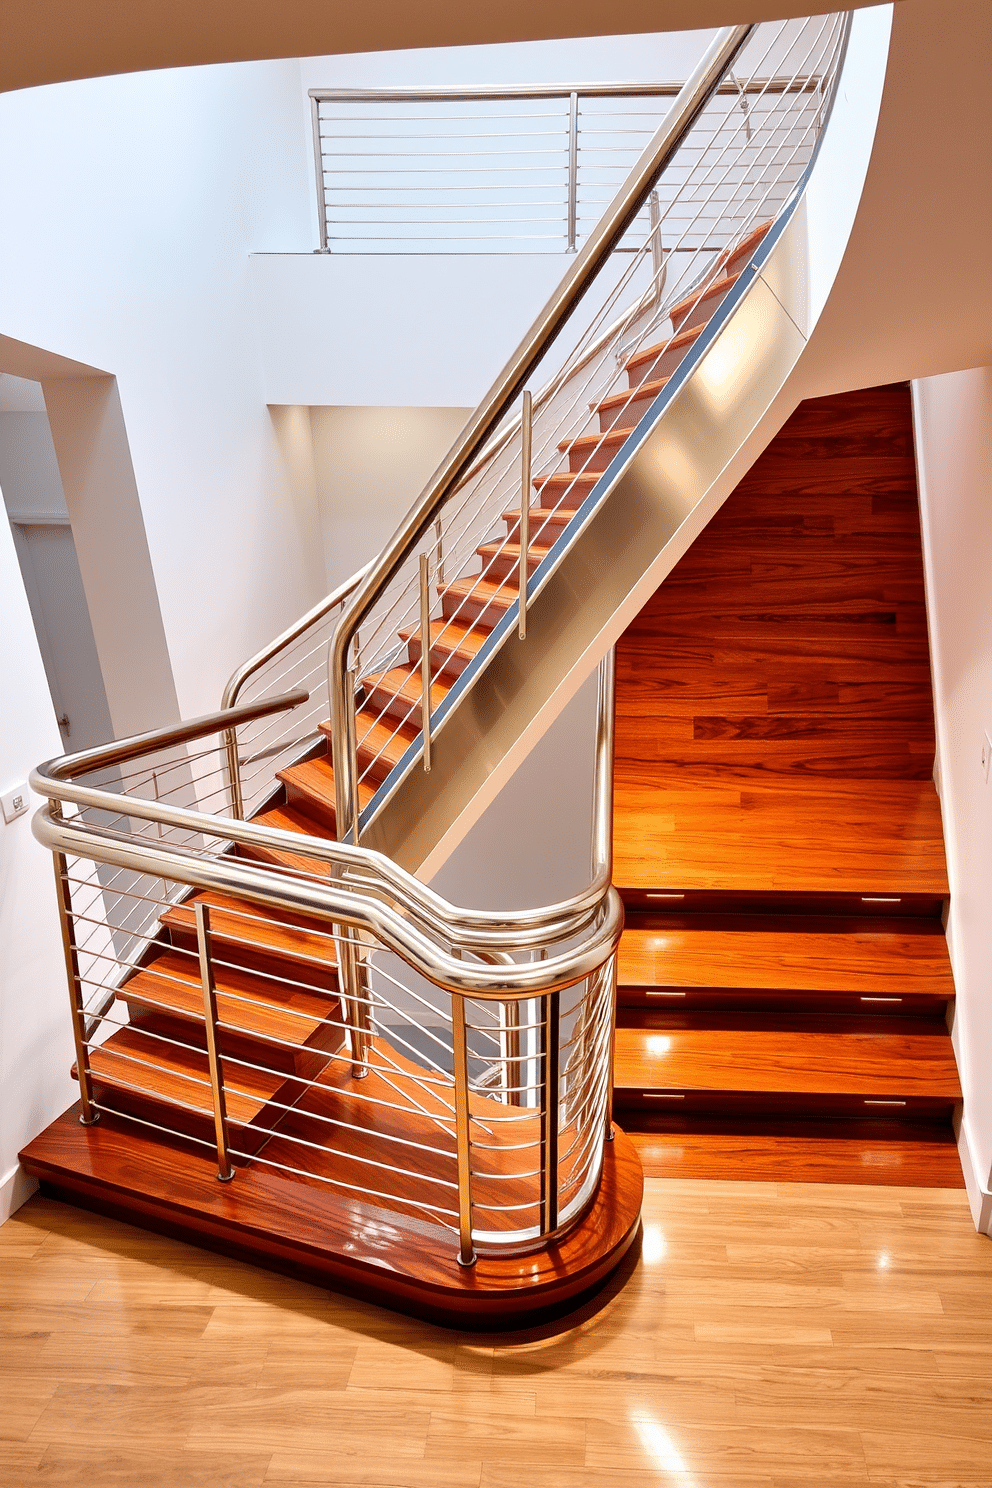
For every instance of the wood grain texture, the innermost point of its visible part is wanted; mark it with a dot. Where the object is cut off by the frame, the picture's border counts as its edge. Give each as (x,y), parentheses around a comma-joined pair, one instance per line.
(336,1239)
(772,1335)
(800,1059)
(875,962)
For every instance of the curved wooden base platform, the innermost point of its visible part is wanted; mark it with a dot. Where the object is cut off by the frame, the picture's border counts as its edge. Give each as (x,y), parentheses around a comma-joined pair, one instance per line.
(116,1168)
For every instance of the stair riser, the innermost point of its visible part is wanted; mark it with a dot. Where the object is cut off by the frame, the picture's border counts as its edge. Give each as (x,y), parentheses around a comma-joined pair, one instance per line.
(320,810)
(506,565)
(664,1103)
(565,493)
(267,963)
(185,1123)
(626,417)
(639,1001)
(545,527)
(306,1061)
(444,663)
(399,708)
(700,313)
(593,461)
(469,609)
(653,367)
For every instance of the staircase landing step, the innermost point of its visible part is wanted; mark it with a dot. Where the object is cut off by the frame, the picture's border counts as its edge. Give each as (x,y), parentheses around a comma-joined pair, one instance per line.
(340,1242)
(876,1153)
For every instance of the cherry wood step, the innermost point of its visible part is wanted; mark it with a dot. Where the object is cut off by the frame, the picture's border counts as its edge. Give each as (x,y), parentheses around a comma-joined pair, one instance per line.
(624,410)
(471,598)
(397,693)
(268,1021)
(593,452)
(565,487)
(883,1153)
(310,788)
(501,560)
(878,839)
(733,262)
(136,1073)
(382,743)
(290,819)
(453,645)
(881,969)
(696,309)
(260,939)
(335,1241)
(546,526)
(662,359)
(754,1060)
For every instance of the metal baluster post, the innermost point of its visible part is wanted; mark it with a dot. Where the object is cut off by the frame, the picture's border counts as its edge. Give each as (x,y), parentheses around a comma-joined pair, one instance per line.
(234,774)
(550,1054)
(610,970)
(526,444)
(89,1115)
(463,1138)
(440,551)
(225,1169)
(318,160)
(354,826)
(659,268)
(573,170)
(513,1046)
(425,659)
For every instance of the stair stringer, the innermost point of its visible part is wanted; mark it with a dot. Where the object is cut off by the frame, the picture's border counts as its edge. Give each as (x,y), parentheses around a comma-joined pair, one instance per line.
(693,446)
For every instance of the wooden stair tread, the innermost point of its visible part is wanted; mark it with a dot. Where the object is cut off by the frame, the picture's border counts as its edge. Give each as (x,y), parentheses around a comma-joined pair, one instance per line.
(499,596)
(400,685)
(870,962)
(155,1069)
(451,641)
(236,922)
(641,393)
(612,439)
(285,1013)
(290,819)
(678,342)
(314,780)
(694,302)
(860,837)
(804,1062)
(509,553)
(804,1152)
(734,260)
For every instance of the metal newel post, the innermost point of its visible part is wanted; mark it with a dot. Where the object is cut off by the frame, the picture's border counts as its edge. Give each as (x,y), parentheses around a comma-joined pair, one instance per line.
(526,442)
(354,826)
(425,659)
(659,269)
(610,970)
(89,1116)
(573,170)
(225,1168)
(550,1052)
(463,1140)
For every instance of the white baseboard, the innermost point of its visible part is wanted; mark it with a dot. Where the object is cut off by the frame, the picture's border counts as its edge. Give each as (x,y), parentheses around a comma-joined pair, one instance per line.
(15,1189)
(979,1196)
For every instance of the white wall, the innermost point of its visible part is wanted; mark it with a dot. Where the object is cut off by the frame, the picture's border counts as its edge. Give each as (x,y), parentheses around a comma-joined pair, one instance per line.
(131,205)
(35,1039)
(953,415)
(370,465)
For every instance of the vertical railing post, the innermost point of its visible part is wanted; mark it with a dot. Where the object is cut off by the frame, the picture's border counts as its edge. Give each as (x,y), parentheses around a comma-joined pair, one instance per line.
(89,1115)
(425,659)
(318,159)
(225,1169)
(610,970)
(354,826)
(526,442)
(234,774)
(439,566)
(514,1050)
(573,171)
(463,1138)
(550,1056)
(659,269)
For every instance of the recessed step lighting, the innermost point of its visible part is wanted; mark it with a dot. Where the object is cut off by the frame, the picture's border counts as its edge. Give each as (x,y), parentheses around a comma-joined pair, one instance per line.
(881,999)
(666,896)
(652,992)
(881,899)
(660,1095)
(884,1103)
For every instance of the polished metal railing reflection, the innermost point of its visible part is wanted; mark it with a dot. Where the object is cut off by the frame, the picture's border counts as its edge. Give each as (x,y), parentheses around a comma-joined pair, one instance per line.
(460,1076)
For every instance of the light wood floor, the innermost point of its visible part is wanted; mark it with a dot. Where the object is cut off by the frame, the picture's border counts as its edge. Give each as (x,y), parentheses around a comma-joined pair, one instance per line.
(769,1336)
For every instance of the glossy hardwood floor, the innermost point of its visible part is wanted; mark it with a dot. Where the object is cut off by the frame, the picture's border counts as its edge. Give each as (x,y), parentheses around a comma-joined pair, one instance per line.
(796,1336)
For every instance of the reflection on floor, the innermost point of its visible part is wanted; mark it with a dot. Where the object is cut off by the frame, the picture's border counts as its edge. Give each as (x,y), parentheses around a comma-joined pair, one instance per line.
(768,1335)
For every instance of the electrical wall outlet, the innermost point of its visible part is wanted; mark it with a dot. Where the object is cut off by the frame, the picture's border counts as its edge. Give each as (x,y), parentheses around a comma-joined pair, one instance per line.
(15,802)
(986,755)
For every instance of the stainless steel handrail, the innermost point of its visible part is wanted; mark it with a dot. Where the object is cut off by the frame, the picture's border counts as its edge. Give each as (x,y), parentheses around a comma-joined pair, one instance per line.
(596,912)
(248,669)
(482,425)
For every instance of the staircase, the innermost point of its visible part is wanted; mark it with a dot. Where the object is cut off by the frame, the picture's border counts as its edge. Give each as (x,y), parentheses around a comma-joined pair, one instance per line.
(784,986)
(401,1096)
